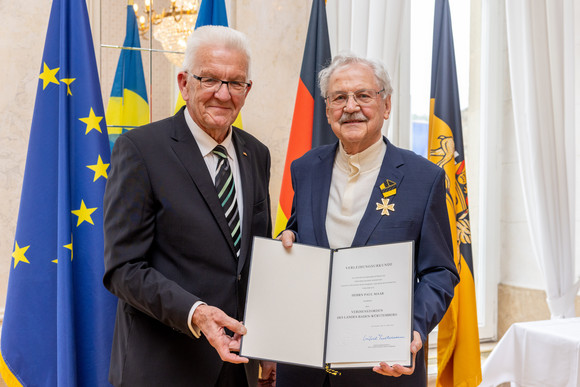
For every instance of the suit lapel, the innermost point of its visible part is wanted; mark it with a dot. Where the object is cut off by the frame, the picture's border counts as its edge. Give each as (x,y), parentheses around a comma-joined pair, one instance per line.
(322,177)
(245,164)
(389,170)
(188,152)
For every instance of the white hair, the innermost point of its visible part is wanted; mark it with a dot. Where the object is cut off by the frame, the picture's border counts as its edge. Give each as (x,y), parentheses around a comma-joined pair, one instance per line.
(346,59)
(217,36)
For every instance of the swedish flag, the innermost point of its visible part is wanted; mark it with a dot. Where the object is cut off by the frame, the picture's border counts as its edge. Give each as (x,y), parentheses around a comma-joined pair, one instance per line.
(59,318)
(128,107)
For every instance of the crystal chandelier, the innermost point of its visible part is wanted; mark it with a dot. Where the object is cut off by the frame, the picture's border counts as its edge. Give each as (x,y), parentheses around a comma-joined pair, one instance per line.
(171,27)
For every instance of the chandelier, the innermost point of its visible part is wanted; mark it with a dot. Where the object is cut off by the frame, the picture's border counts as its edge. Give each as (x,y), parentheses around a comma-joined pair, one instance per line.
(171,27)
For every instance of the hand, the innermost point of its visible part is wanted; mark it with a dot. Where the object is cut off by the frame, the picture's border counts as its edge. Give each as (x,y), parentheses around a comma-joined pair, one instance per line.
(212,321)
(397,370)
(268,375)
(287,237)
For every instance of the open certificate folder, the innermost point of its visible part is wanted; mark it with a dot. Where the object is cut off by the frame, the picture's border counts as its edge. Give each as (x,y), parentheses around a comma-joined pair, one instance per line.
(343,308)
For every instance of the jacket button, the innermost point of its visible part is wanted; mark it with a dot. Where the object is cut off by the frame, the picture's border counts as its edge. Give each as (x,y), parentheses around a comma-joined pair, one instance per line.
(239,277)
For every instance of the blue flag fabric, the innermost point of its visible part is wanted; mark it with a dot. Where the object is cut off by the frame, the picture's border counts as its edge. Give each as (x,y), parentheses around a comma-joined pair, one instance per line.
(59,318)
(128,107)
(212,13)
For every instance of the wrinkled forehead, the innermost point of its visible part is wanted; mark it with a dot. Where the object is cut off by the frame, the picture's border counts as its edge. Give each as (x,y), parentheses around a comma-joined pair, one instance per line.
(352,77)
(211,57)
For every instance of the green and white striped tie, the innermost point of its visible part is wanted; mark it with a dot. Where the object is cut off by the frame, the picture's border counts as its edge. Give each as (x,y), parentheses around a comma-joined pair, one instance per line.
(224,184)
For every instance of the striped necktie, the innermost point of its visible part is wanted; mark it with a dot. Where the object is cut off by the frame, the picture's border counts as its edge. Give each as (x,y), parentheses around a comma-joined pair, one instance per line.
(224,184)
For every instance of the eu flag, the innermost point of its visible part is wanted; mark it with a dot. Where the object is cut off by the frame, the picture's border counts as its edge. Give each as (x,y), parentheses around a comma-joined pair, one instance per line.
(59,318)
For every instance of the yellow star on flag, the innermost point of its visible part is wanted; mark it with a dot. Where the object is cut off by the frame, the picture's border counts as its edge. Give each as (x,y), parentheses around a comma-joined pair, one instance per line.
(100,169)
(48,76)
(385,207)
(68,81)
(92,122)
(84,214)
(70,247)
(18,254)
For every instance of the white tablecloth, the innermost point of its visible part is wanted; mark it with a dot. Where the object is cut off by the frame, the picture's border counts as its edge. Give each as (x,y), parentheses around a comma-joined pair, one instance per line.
(538,353)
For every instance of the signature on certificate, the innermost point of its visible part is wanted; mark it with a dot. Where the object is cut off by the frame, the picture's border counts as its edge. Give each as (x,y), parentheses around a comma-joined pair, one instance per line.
(380,337)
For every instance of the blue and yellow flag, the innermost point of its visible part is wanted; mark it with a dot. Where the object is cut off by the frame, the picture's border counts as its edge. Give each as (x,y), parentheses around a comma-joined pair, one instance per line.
(59,319)
(128,107)
(458,355)
(310,127)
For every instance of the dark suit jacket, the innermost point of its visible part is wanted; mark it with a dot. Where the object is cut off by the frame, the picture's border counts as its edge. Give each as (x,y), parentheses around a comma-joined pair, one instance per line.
(420,215)
(167,245)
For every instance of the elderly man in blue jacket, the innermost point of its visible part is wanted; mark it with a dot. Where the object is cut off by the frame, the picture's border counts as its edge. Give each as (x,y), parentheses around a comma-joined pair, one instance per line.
(364,191)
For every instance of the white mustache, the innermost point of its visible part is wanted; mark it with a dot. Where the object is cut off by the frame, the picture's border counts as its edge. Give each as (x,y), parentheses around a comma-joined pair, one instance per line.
(356,116)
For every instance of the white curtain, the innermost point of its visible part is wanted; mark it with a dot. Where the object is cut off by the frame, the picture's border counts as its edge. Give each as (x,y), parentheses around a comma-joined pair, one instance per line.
(541,60)
(378,29)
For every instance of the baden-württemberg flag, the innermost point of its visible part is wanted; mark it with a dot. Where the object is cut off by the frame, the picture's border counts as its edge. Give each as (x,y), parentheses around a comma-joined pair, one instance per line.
(128,107)
(310,127)
(458,356)
(59,319)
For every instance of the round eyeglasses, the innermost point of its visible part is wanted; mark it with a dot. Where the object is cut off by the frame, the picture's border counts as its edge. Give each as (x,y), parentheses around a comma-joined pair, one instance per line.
(365,97)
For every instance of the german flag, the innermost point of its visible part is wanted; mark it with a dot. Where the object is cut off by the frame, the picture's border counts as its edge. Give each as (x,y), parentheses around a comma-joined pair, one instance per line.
(458,356)
(309,125)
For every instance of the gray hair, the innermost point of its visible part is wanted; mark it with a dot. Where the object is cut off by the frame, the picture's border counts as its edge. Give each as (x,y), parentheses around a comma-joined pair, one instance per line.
(346,59)
(219,36)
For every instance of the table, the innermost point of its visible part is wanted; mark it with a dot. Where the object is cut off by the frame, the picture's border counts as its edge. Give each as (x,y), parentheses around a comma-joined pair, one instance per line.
(538,353)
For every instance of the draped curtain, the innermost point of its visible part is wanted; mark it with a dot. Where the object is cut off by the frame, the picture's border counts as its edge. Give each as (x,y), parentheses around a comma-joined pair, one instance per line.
(541,62)
(378,29)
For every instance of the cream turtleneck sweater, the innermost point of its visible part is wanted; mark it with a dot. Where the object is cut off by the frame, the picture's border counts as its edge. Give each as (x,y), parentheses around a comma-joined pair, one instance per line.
(353,178)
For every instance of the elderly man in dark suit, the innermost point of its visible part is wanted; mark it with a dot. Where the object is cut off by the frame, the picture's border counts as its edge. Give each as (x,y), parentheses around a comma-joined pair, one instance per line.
(365,191)
(184,198)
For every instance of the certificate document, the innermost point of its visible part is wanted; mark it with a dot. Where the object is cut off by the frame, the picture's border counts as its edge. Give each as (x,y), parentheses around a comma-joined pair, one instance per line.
(344,308)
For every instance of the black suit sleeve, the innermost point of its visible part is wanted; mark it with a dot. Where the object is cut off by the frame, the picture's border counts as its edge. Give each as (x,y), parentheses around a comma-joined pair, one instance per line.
(129,227)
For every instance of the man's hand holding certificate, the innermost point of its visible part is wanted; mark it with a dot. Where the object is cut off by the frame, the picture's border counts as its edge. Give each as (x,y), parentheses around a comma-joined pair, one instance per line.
(344,308)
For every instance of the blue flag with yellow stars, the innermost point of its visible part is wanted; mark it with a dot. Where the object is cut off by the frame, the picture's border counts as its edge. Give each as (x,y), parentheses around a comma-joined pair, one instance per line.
(59,319)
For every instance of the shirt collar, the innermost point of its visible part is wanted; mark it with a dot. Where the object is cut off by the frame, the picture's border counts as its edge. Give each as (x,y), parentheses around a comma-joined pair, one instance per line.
(361,162)
(204,141)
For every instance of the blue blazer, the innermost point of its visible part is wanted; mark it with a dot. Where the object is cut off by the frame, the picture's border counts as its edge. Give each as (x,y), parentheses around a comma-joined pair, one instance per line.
(420,215)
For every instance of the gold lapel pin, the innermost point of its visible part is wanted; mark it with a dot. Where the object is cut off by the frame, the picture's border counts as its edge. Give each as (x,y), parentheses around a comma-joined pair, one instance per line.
(385,207)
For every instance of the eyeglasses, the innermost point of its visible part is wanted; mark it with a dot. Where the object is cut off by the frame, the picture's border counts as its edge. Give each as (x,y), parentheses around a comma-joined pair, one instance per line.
(213,85)
(365,97)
